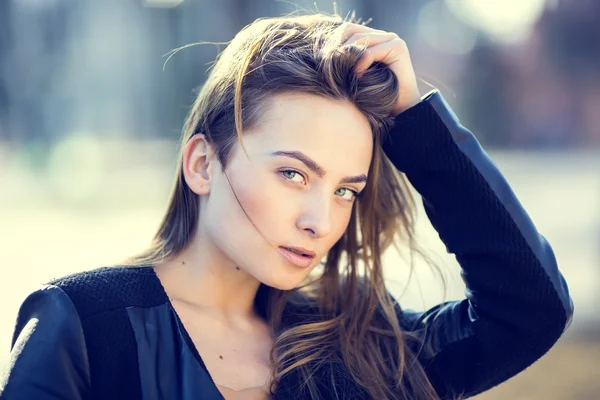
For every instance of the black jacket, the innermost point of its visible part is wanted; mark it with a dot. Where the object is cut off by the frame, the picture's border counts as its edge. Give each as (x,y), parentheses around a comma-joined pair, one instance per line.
(111,333)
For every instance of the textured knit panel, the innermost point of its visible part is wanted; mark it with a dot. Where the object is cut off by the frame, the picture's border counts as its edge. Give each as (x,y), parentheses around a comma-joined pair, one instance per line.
(107,288)
(517,303)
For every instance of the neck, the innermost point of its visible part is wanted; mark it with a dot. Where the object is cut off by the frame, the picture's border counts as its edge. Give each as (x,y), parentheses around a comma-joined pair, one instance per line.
(203,277)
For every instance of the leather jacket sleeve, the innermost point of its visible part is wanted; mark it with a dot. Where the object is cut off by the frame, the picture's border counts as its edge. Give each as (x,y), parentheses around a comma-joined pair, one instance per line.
(517,301)
(48,358)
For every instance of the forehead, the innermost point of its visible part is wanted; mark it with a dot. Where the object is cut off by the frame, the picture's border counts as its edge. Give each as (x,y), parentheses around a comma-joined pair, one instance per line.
(332,132)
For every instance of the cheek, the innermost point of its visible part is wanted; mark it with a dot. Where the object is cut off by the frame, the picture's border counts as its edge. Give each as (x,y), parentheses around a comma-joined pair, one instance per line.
(258,196)
(262,200)
(340,225)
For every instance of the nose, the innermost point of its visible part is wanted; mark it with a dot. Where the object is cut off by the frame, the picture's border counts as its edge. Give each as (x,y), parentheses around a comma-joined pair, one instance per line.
(315,220)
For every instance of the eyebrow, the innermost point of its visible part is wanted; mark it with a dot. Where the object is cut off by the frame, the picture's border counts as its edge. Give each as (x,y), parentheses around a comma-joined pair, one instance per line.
(316,168)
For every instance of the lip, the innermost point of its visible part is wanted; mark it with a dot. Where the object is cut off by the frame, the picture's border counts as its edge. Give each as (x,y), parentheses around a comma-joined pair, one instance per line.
(296,259)
(302,250)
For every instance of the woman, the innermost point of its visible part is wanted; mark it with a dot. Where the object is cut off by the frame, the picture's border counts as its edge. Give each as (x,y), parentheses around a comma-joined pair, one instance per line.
(293,159)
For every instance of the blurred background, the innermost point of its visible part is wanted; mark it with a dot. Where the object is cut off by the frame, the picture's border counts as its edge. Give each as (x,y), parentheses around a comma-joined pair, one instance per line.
(89,123)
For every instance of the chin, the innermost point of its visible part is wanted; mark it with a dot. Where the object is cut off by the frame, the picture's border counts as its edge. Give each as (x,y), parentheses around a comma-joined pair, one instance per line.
(283,283)
(284,286)
(280,276)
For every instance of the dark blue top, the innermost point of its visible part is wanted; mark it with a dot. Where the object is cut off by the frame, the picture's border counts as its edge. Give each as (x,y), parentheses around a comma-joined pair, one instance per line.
(112,333)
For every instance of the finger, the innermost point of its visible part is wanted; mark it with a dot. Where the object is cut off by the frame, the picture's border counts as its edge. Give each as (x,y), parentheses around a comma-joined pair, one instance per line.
(370,38)
(387,53)
(348,29)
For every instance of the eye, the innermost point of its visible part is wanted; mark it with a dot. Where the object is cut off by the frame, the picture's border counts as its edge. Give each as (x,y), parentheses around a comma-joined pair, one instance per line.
(290,174)
(353,194)
(347,194)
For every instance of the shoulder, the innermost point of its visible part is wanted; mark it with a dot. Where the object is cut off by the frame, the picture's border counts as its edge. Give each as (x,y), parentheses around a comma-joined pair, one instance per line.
(75,325)
(110,288)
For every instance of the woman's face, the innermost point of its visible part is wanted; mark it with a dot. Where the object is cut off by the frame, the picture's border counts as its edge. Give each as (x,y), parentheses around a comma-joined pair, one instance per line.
(307,157)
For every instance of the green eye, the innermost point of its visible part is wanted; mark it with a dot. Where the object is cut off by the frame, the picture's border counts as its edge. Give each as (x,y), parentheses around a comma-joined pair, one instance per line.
(346,190)
(290,174)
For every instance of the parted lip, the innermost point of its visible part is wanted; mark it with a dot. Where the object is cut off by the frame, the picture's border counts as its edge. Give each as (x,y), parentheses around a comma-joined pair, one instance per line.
(302,250)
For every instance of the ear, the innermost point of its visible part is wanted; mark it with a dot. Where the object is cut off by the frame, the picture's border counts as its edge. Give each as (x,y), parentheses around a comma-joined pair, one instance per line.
(199,160)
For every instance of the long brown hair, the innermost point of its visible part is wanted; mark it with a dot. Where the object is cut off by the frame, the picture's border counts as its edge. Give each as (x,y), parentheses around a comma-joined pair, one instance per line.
(358,318)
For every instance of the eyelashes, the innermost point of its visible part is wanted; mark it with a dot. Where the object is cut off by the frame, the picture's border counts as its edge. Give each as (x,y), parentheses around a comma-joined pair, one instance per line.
(282,172)
(286,172)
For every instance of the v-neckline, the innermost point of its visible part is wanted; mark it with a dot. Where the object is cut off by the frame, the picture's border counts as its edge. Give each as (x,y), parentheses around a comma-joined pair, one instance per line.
(183,331)
(186,336)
